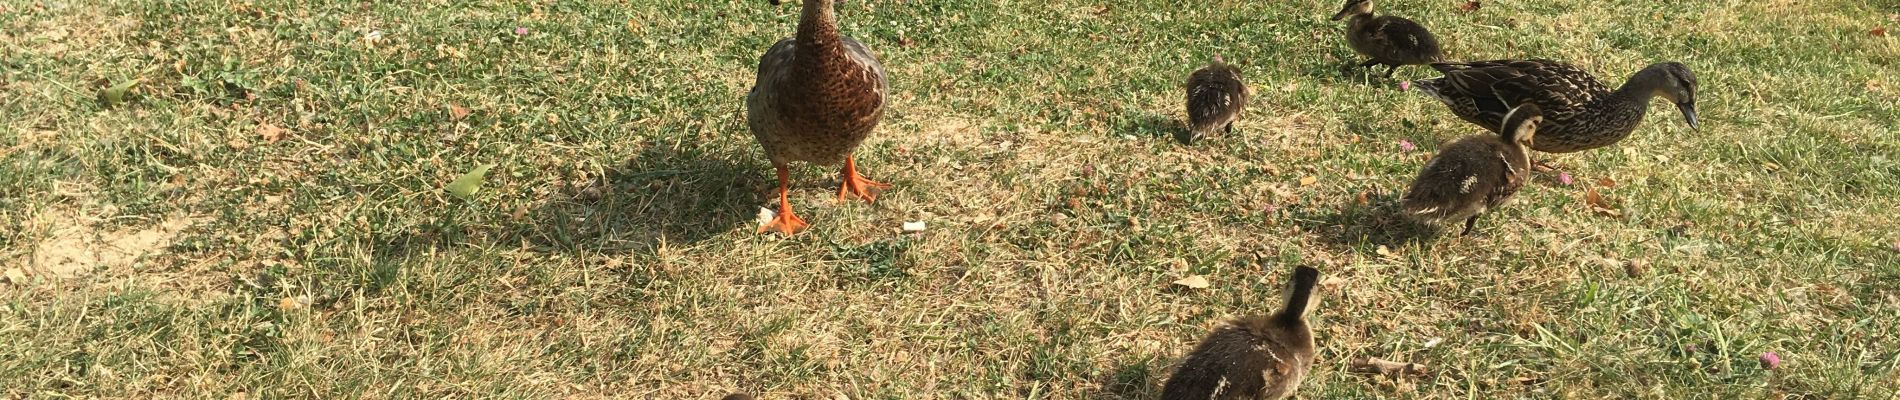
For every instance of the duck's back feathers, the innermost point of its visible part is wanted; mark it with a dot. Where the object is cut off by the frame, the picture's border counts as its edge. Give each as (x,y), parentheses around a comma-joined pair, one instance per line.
(1240,360)
(1216,96)
(1482,92)
(1460,181)
(1394,40)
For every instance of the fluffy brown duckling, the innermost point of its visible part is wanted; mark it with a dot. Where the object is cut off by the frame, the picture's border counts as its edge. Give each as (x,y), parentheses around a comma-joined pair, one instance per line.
(818,95)
(1259,357)
(1390,41)
(1583,114)
(1476,173)
(1215,98)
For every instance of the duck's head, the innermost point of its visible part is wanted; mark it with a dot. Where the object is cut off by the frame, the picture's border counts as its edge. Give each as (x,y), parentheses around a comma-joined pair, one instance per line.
(1520,125)
(1673,81)
(1354,7)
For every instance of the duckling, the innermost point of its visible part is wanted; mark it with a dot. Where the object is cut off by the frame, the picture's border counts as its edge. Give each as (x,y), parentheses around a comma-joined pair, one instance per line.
(1215,98)
(1582,113)
(818,95)
(1259,357)
(1476,173)
(1388,40)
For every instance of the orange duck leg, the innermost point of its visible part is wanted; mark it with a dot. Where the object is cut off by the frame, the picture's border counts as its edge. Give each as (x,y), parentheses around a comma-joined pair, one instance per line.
(857,185)
(786,222)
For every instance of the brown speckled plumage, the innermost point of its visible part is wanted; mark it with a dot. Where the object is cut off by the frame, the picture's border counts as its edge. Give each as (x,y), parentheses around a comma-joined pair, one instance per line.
(1476,173)
(1580,113)
(1388,40)
(818,95)
(1215,98)
(1254,358)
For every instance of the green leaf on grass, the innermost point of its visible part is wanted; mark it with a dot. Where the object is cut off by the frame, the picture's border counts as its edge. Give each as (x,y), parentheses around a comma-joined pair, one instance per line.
(116,94)
(466,185)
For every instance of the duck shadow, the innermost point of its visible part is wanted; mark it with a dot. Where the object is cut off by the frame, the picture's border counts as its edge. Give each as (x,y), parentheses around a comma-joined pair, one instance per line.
(1375,222)
(1151,126)
(662,195)
(1138,378)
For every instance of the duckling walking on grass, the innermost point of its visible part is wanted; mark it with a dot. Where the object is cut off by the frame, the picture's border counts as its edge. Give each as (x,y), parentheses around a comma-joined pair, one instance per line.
(1215,98)
(1580,113)
(1260,357)
(1476,173)
(818,95)
(1388,40)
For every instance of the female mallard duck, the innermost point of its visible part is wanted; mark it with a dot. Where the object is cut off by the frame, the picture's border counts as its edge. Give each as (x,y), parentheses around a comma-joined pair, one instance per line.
(1388,40)
(818,96)
(1260,357)
(1215,98)
(1476,173)
(1582,113)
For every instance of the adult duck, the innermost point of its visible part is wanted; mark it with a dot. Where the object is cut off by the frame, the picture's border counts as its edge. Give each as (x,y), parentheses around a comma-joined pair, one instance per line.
(1580,113)
(818,95)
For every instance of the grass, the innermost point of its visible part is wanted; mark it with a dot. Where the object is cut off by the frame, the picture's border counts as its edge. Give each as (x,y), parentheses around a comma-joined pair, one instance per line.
(166,246)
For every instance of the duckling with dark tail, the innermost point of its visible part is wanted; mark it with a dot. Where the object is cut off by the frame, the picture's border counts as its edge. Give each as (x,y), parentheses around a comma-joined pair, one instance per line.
(1388,40)
(1215,98)
(1476,173)
(1260,357)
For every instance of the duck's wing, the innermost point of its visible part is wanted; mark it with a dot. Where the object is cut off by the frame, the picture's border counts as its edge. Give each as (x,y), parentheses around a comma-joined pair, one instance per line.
(1494,87)
(864,56)
(1404,39)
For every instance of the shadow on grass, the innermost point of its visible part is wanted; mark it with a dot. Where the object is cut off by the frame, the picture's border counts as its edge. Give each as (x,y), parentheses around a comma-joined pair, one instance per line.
(663,195)
(1147,125)
(1133,379)
(1377,222)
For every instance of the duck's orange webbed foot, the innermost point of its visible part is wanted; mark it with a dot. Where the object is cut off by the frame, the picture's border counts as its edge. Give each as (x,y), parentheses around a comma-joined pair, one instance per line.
(785,222)
(857,185)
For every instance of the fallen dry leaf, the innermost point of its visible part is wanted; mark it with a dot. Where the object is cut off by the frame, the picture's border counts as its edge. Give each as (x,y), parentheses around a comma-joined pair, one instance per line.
(15,276)
(293,303)
(270,132)
(1386,252)
(1598,204)
(457,113)
(1193,282)
(1308,181)
(914,226)
(1332,283)
(1394,369)
(1878,32)
(1469,6)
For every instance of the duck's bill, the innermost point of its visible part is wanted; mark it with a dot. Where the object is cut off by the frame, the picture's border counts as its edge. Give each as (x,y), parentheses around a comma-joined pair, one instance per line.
(1688,113)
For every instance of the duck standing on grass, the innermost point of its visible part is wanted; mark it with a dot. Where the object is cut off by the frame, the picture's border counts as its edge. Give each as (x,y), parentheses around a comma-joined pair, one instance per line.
(1259,357)
(1579,112)
(1476,173)
(1390,41)
(818,95)
(1215,98)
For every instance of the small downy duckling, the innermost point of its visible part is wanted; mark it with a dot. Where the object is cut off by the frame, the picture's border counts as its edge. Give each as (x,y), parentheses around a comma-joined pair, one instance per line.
(1259,357)
(1215,98)
(1476,173)
(1388,40)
